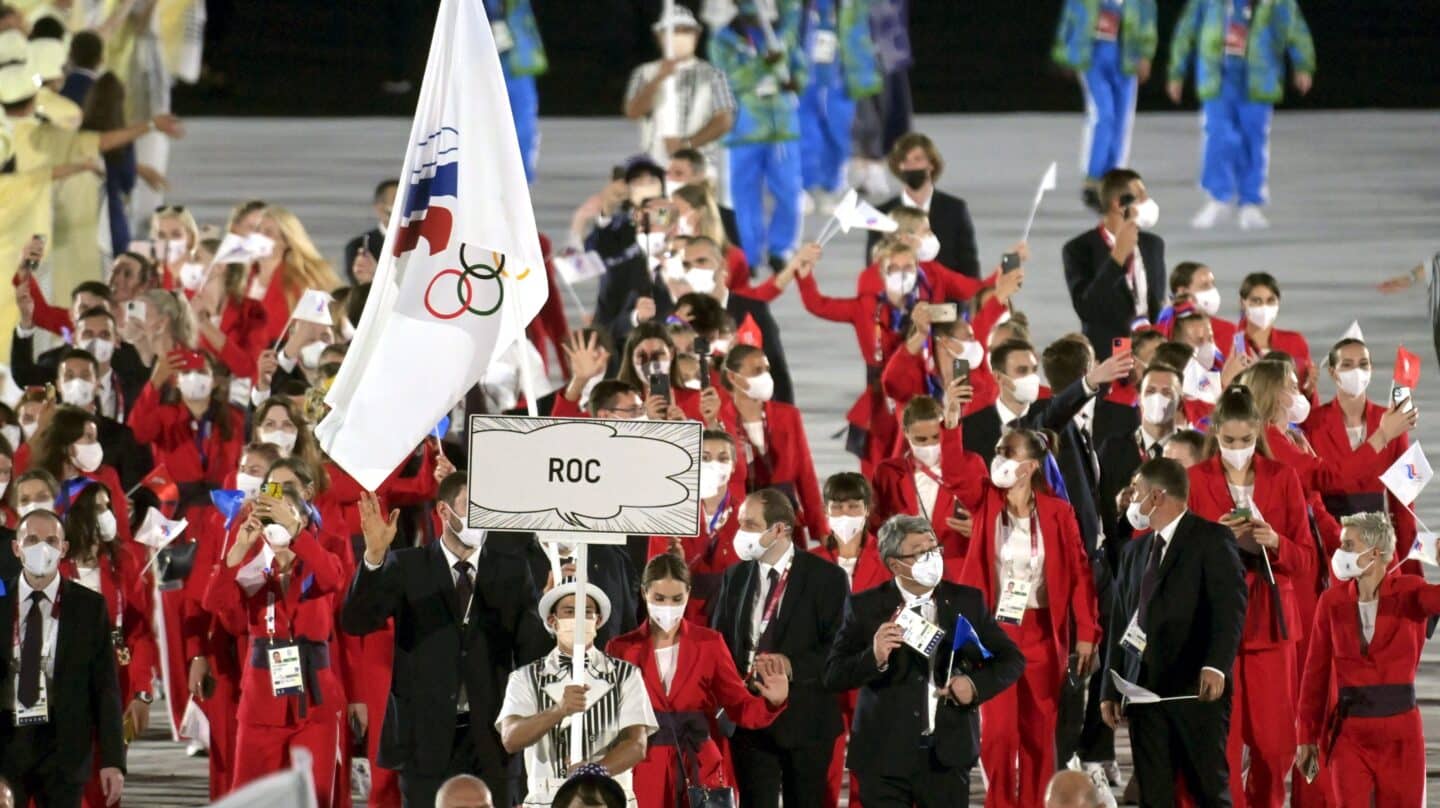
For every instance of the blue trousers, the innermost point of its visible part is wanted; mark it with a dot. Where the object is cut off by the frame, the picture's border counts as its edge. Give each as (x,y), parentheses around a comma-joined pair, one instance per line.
(754,169)
(826,115)
(1109,111)
(1236,157)
(525,107)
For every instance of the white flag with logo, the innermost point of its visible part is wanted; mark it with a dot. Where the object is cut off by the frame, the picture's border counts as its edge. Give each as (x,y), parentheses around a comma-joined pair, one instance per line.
(1408,475)
(1423,549)
(461,273)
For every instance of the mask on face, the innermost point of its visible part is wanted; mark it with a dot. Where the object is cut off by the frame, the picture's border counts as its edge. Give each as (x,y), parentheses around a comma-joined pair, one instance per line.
(27,428)
(846,528)
(105,523)
(713,478)
(1262,317)
(1147,214)
(652,244)
(900,284)
(471,537)
(78,392)
(87,456)
(747,545)
(682,44)
(701,280)
(1027,388)
(915,178)
(283,440)
(1345,564)
(13,436)
(102,349)
(672,268)
(27,508)
(278,536)
(1299,408)
(762,387)
(1140,520)
(1238,459)
(248,484)
(971,352)
(929,455)
(1354,381)
(41,559)
(310,354)
(1205,354)
(667,617)
(175,249)
(927,569)
(1208,301)
(196,386)
(1003,471)
(1157,409)
(565,631)
(929,247)
(191,275)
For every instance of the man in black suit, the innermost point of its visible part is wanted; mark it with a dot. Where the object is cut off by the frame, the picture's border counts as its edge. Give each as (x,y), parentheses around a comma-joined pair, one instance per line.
(465,617)
(1174,630)
(617,238)
(59,693)
(916,730)
(363,251)
(77,378)
(120,372)
(1160,415)
(916,161)
(783,602)
(1016,371)
(1116,272)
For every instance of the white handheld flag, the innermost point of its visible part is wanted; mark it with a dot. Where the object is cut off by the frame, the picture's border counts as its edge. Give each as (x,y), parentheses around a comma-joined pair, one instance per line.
(1047,183)
(1424,548)
(314,307)
(1408,475)
(157,531)
(461,273)
(1135,694)
(1353,332)
(853,212)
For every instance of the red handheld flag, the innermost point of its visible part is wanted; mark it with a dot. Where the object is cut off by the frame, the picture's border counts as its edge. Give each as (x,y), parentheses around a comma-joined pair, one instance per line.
(163,486)
(1407,368)
(748,333)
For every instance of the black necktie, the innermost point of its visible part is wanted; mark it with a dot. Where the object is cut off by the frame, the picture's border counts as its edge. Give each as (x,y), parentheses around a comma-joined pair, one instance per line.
(464,589)
(772,580)
(1155,450)
(1148,580)
(28,691)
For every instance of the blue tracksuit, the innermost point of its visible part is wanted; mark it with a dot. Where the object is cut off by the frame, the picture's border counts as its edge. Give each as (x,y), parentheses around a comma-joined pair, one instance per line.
(836,35)
(521,61)
(1104,42)
(1109,110)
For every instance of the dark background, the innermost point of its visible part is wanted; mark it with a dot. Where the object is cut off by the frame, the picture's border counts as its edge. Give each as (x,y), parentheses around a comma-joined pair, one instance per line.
(283,57)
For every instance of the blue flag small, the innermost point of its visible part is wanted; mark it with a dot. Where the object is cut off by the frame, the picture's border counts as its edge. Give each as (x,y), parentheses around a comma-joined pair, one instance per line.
(441,429)
(965,635)
(1055,478)
(228,503)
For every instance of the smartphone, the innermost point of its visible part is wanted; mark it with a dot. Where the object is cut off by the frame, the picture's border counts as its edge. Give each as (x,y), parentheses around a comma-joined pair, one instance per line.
(943,312)
(135,309)
(1237,346)
(660,385)
(960,369)
(1241,513)
(959,512)
(272,490)
(1400,393)
(702,352)
(1009,262)
(1120,346)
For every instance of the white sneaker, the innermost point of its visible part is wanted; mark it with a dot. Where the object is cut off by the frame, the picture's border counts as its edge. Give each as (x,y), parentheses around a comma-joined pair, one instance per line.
(1252,218)
(1102,788)
(1107,771)
(1212,214)
(196,749)
(877,181)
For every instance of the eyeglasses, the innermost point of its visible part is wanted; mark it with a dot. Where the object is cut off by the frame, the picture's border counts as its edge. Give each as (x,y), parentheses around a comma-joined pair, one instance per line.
(926,551)
(170,209)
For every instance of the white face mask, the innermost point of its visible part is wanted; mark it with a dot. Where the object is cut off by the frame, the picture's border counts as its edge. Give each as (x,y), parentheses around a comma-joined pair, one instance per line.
(713,478)
(1208,300)
(846,528)
(1345,564)
(195,385)
(760,388)
(672,267)
(281,438)
(719,346)
(191,275)
(1238,459)
(928,569)
(929,455)
(1299,408)
(653,244)
(667,617)
(1157,409)
(101,349)
(40,559)
(471,537)
(929,247)
(78,392)
(1027,388)
(701,280)
(1262,317)
(30,507)
(565,631)
(1205,354)
(1354,381)
(87,456)
(175,249)
(105,523)
(1140,520)
(278,536)
(900,284)
(310,354)
(1147,214)
(1002,471)
(747,545)
(972,352)
(13,436)
(248,484)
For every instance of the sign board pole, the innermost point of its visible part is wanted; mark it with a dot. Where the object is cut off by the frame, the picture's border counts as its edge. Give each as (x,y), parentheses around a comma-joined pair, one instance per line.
(577,658)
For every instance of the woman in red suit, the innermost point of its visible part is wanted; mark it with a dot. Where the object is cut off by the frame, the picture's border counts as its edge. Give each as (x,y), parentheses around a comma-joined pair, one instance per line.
(284,601)
(771,437)
(927,364)
(69,447)
(230,325)
(850,546)
(697,214)
(1357,713)
(689,675)
(189,425)
(1027,559)
(113,569)
(1242,486)
(1260,306)
(711,550)
(294,265)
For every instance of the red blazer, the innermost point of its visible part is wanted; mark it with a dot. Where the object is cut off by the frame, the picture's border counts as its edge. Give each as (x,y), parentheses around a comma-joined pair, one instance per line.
(1224,333)
(1068,580)
(1281,504)
(786,463)
(870,571)
(305,610)
(738,278)
(946,283)
(705,680)
(193,455)
(244,323)
(895,491)
(1338,658)
(904,375)
(708,554)
(1291,342)
(130,596)
(1326,430)
(201,633)
(277,303)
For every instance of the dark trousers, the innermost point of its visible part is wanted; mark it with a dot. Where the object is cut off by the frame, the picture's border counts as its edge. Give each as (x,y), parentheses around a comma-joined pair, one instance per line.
(935,786)
(763,771)
(882,118)
(418,790)
(28,763)
(1184,738)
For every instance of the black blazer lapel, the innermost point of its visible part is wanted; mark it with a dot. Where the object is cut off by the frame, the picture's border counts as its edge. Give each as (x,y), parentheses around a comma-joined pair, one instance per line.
(795,586)
(1176,549)
(745,598)
(444,580)
(66,639)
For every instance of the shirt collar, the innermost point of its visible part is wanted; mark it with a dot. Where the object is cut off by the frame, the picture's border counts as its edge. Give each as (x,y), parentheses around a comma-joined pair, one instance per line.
(782,566)
(51,590)
(910,599)
(910,200)
(1006,414)
(1168,532)
(451,559)
(1086,416)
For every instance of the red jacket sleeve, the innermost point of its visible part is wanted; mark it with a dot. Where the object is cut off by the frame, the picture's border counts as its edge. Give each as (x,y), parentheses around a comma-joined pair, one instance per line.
(139,612)
(903,377)
(419,488)
(329,577)
(149,419)
(951,285)
(1083,604)
(223,597)
(1315,684)
(834,309)
(54,319)
(744,708)
(565,408)
(1296,552)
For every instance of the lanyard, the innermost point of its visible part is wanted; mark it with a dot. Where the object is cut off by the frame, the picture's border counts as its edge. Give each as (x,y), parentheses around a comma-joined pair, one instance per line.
(718,518)
(926,470)
(274,585)
(772,600)
(201,435)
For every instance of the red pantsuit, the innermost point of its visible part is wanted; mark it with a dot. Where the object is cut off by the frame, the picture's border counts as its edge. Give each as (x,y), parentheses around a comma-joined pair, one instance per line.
(905,373)
(1326,430)
(1290,342)
(1372,758)
(896,492)
(203,635)
(243,322)
(705,680)
(193,449)
(708,553)
(784,462)
(1262,714)
(270,725)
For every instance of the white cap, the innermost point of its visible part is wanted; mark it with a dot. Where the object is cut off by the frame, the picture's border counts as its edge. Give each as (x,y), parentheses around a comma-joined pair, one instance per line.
(548,601)
(47,58)
(680,16)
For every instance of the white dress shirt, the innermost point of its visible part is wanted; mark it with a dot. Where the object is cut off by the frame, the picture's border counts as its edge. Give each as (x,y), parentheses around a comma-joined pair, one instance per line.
(1168,534)
(1006,414)
(927,490)
(757,612)
(49,626)
(665,662)
(1017,561)
(909,201)
(1139,285)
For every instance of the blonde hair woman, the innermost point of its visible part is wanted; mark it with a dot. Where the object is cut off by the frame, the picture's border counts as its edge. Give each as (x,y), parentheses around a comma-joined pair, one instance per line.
(293,266)
(698,214)
(174,235)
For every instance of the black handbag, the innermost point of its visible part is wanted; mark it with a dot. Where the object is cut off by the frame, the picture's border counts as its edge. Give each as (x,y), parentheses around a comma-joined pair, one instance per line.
(697,794)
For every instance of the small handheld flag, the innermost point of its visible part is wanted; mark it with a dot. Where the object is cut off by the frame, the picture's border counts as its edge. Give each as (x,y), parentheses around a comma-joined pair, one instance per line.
(228,503)
(1047,183)
(1407,368)
(441,429)
(965,635)
(1408,475)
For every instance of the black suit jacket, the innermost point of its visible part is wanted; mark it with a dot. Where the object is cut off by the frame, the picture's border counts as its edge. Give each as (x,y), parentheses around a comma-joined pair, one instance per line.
(84,694)
(1119,460)
(130,460)
(732,229)
(981,429)
(807,622)
(28,371)
(950,219)
(739,307)
(1196,614)
(374,242)
(432,657)
(1078,459)
(890,714)
(1100,291)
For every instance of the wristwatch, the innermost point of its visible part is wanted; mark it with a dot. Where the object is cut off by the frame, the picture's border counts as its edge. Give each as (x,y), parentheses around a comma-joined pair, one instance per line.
(144,698)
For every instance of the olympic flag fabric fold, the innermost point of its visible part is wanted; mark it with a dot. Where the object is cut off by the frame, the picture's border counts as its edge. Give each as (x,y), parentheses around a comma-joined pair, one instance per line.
(461,273)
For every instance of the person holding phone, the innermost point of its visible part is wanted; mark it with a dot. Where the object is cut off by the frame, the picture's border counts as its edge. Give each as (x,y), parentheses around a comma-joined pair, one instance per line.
(1260,308)
(190,426)
(1241,485)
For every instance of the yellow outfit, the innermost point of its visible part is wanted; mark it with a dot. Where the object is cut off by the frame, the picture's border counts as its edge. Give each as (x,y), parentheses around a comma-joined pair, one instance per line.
(58,109)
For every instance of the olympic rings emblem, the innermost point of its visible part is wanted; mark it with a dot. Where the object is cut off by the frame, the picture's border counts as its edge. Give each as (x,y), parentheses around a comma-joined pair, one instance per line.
(465,289)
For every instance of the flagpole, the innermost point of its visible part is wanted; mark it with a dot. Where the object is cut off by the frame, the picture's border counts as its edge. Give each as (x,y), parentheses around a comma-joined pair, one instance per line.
(577,657)
(527,384)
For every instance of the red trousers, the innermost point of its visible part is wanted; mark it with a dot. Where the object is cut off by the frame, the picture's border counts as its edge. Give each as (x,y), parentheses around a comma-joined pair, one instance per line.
(1388,768)
(1018,725)
(1262,717)
(220,710)
(175,673)
(262,750)
(837,759)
